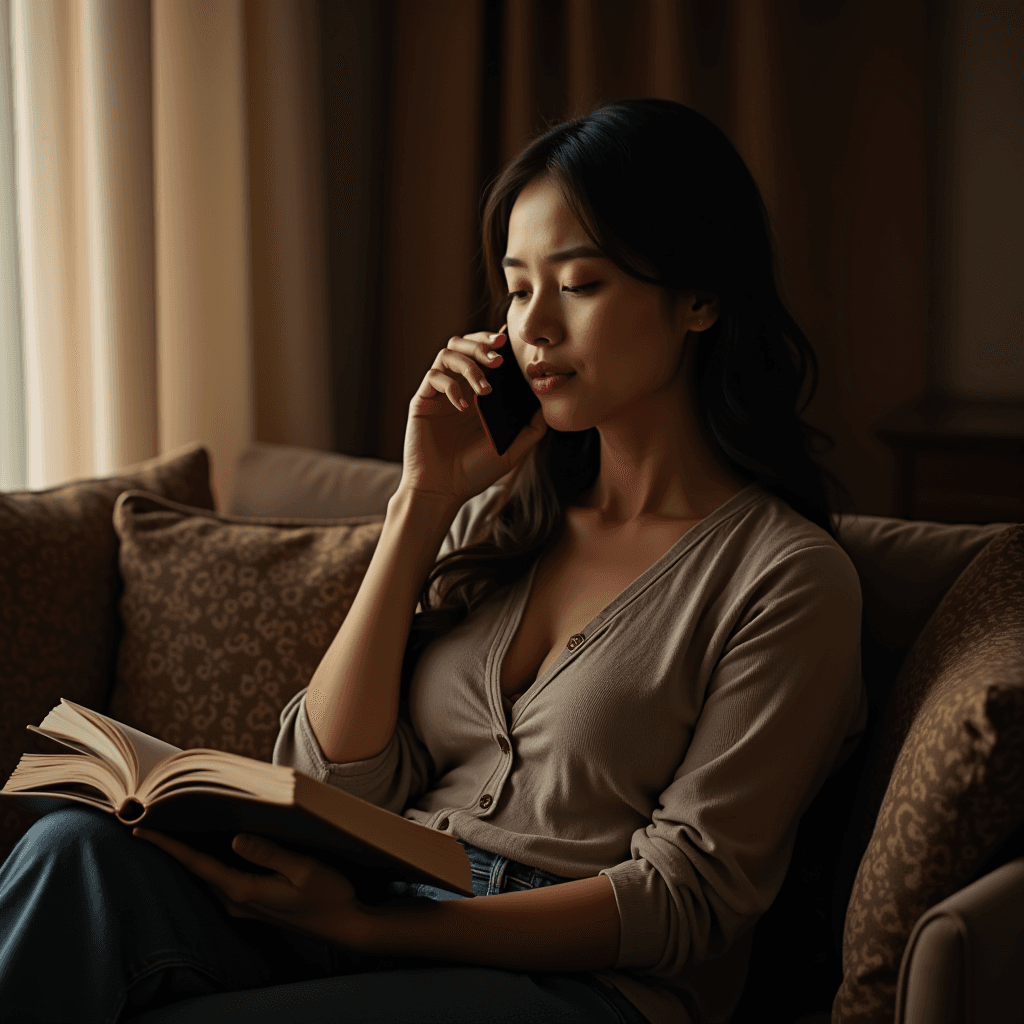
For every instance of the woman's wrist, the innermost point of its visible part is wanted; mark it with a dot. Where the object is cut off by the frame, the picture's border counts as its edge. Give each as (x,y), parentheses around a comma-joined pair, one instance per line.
(407,500)
(393,931)
(572,926)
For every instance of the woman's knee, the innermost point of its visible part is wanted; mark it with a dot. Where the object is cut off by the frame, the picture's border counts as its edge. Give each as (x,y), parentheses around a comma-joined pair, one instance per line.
(70,830)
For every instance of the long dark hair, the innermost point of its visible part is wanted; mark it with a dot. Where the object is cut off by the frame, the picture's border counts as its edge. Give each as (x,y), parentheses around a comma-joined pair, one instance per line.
(662,192)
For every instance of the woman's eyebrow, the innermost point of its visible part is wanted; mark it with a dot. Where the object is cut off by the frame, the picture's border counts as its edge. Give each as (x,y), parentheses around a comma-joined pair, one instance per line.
(577,252)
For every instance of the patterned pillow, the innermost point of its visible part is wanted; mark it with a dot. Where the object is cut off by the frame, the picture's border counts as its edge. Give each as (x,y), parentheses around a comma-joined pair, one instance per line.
(59,588)
(946,787)
(226,618)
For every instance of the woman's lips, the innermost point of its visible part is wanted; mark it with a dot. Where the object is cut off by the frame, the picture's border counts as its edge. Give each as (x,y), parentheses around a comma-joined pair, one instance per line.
(544,385)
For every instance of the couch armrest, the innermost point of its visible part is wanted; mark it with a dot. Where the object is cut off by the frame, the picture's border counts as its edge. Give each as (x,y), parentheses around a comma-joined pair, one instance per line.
(963,960)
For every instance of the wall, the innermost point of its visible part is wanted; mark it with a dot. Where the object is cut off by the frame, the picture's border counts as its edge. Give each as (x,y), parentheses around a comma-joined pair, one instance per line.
(977,349)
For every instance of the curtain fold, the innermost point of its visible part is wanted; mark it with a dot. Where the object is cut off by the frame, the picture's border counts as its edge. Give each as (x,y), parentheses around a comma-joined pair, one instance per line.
(286,222)
(48,167)
(433,188)
(117,130)
(355,62)
(204,325)
(13,470)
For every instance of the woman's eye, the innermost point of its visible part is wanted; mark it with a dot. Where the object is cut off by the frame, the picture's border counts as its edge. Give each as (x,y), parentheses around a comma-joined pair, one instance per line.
(572,291)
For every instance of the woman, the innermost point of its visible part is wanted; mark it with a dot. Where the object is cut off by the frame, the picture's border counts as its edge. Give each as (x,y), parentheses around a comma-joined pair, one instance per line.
(634,663)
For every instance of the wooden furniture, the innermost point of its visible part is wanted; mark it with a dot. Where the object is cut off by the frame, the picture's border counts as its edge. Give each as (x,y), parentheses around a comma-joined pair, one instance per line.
(959,460)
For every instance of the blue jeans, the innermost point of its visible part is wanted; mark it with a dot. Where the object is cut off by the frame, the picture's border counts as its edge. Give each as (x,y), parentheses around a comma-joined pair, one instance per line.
(98,926)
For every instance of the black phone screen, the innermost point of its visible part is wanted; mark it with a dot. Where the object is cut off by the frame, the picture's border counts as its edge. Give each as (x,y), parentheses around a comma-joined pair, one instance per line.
(511,403)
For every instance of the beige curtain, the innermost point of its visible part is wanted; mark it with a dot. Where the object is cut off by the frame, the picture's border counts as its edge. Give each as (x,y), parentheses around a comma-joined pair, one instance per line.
(170,227)
(12,388)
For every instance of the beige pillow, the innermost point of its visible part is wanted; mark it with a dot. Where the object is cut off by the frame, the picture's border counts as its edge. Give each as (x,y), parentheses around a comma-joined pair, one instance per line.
(59,587)
(944,787)
(303,483)
(905,569)
(226,618)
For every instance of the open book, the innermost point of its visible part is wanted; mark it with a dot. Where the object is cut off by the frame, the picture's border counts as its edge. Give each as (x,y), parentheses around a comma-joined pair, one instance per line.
(205,796)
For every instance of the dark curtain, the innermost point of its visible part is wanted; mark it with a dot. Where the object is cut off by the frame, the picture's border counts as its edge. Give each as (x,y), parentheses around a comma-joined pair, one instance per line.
(828,102)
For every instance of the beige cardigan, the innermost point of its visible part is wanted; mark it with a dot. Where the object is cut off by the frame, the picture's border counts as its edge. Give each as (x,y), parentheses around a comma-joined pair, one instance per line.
(673,748)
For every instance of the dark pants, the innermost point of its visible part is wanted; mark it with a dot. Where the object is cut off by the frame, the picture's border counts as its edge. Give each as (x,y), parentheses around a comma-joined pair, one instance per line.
(97,926)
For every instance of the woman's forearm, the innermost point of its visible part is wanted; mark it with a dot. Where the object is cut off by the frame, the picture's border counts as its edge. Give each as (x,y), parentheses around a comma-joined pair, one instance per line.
(571,926)
(352,700)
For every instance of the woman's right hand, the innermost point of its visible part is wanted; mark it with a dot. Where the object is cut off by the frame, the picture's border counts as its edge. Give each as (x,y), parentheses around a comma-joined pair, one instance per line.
(447,452)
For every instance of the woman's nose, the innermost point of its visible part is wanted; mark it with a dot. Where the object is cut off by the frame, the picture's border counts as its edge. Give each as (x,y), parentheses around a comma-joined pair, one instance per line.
(541,324)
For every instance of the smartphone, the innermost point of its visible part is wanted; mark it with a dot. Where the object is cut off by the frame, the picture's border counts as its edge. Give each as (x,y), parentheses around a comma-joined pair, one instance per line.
(510,404)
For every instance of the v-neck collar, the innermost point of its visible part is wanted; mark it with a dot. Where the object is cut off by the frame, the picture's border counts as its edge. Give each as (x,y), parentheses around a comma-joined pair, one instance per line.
(515,604)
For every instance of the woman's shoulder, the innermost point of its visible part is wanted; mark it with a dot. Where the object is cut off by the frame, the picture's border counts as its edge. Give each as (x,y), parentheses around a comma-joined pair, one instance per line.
(768,531)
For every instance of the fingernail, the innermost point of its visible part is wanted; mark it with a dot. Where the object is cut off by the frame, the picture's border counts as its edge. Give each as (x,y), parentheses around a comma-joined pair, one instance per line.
(492,355)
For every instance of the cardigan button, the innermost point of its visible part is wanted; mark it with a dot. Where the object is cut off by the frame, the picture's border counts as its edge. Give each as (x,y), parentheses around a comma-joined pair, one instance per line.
(503,745)
(443,824)
(486,800)
(575,640)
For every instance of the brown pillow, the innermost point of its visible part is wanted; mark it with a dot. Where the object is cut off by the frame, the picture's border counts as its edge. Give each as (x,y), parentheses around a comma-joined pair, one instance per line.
(226,618)
(59,588)
(945,787)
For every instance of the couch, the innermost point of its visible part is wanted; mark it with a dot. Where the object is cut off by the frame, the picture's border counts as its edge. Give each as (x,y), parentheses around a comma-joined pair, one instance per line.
(904,900)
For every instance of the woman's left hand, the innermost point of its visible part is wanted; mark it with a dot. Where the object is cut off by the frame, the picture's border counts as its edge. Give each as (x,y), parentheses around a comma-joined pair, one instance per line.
(304,894)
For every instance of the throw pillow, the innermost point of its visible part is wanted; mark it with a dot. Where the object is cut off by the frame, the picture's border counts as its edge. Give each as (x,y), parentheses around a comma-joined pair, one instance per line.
(59,588)
(303,483)
(945,788)
(905,569)
(226,618)
(283,480)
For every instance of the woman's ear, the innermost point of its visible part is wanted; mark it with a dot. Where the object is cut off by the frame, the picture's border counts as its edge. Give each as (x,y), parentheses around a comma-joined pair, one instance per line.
(705,308)
(695,311)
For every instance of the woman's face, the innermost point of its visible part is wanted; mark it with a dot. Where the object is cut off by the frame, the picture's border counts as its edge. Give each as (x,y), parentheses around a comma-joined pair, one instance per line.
(573,308)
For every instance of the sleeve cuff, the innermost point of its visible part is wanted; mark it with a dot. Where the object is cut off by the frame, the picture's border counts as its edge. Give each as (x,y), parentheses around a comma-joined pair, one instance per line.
(643,900)
(386,779)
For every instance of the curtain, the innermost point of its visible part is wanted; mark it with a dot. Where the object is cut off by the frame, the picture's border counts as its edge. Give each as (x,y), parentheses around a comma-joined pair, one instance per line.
(222,221)
(12,378)
(831,114)
(170,231)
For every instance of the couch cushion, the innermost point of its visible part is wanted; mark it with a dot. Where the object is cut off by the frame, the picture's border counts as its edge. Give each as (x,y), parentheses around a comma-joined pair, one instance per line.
(226,617)
(944,785)
(302,483)
(59,587)
(905,569)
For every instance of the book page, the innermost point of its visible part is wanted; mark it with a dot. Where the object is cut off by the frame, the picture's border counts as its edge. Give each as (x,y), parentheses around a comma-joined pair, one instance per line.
(68,725)
(52,774)
(202,768)
(133,754)
(149,751)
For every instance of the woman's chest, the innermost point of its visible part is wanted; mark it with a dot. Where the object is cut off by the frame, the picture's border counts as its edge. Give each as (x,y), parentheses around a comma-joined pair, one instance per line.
(576,579)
